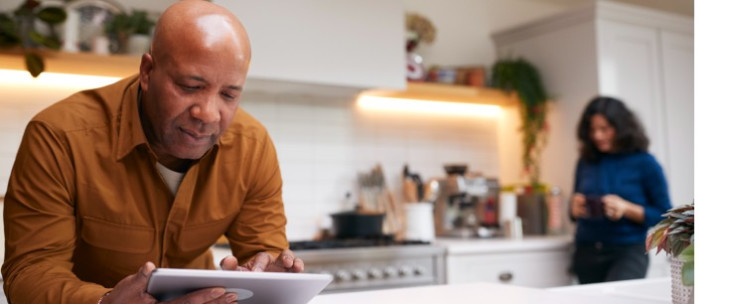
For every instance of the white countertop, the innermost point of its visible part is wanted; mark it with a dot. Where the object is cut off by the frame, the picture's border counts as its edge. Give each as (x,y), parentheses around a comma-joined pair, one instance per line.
(654,290)
(484,293)
(501,245)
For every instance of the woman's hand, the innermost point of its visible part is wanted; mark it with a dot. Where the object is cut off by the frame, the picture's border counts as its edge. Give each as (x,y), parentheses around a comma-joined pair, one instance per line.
(617,208)
(578,205)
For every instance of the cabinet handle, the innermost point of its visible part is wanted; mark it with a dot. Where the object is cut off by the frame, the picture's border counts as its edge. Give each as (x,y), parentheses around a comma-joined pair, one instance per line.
(505,277)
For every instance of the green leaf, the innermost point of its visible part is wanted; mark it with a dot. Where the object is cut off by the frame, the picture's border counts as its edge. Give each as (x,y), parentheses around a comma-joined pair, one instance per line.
(36,37)
(52,15)
(688,274)
(34,64)
(688,254)
(52,43)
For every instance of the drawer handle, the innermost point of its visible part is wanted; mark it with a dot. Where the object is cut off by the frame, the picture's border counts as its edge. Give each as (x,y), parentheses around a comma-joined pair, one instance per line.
(505,277)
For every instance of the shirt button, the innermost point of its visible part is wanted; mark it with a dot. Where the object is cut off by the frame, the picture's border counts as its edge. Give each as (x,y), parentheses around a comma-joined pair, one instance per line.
(599,245)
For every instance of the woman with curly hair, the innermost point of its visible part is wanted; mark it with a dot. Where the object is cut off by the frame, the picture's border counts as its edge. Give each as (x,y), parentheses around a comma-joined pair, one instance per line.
(620,191)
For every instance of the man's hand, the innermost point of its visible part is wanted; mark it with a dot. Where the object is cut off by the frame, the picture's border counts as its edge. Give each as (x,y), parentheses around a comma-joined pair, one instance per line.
(262,261)
(132,289)
(578,206)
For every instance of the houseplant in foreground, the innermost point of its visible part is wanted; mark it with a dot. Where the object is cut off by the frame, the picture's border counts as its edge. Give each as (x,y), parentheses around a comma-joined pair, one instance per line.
(675,236)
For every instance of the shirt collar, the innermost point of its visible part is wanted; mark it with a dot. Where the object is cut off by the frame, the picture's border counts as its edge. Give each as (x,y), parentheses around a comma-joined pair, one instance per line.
(129,129)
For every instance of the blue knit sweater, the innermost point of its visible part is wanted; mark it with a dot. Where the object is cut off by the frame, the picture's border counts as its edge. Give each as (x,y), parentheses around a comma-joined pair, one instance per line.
(635,177)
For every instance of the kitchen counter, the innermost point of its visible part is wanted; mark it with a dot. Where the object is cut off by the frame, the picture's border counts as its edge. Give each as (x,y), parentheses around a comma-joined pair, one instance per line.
(499,293)
(654,290)
(502,245)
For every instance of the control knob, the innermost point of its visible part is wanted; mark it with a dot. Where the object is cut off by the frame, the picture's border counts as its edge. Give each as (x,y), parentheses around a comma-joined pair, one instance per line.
(359,275)
(342,276)
(375,273)
(419,270)
(405,271)
(390,272)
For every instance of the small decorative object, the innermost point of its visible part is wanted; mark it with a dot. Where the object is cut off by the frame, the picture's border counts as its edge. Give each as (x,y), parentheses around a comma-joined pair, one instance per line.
(522,78)
(418,29)
(19,29)
(675,236)
(87,20)
(130,32)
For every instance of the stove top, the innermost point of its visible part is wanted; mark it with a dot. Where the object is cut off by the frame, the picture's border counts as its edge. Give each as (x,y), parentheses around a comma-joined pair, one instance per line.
(351,243)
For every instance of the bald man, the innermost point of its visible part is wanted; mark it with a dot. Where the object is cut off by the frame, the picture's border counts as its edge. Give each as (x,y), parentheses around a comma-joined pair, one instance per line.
(147,172)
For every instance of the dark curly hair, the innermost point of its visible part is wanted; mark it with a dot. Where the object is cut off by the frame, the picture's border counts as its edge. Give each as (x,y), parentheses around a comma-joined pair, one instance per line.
(630,136)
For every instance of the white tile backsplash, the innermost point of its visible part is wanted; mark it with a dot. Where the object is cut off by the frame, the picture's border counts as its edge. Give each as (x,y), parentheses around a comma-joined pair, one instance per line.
(322,143)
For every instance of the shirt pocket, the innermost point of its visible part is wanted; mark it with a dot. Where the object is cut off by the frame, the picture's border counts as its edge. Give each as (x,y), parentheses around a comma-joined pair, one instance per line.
(112,236)
(198,238)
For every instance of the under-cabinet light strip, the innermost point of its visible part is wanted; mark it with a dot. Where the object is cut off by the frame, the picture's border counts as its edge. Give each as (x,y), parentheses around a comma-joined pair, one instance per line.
(426,106)
(23,78)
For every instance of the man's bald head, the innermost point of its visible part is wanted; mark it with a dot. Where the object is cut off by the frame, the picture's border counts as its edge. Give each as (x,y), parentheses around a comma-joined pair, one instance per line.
(191,80)
(192,26)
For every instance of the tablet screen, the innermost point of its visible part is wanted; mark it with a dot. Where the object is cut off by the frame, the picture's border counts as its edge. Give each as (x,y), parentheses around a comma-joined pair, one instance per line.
(252,287)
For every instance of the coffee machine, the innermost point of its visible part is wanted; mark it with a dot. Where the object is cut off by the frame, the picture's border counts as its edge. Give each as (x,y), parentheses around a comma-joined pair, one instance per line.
(466,206)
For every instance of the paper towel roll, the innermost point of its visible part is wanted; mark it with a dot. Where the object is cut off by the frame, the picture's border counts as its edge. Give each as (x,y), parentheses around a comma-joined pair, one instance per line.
(507,206)
(419,222)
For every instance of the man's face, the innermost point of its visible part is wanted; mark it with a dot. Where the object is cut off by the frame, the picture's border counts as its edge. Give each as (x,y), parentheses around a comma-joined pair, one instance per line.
(189,101)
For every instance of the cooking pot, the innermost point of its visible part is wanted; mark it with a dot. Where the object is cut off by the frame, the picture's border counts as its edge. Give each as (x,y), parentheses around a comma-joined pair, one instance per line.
(351,224)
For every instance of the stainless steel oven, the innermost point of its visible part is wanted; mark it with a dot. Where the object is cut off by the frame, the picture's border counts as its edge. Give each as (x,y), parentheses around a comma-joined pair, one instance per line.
(377,267)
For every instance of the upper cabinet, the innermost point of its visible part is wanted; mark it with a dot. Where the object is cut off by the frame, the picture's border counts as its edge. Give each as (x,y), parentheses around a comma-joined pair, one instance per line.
(339,43)
(641,56)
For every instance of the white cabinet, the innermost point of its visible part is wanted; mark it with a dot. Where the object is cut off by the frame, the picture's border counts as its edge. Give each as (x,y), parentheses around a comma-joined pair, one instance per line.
(530,262)
(342,43)
(530,269)
(641,56)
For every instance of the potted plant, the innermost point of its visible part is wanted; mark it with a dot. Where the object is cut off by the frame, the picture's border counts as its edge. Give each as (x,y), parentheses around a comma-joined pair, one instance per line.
(18,30)
(519,77)
(130,32)
(675,236)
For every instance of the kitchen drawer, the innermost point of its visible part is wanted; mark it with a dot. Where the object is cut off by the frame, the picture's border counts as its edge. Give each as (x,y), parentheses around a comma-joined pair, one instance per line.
(530,269)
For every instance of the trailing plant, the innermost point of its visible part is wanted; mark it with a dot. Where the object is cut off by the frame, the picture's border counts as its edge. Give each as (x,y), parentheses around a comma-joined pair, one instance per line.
(521,78)
(675,236)
(18,30)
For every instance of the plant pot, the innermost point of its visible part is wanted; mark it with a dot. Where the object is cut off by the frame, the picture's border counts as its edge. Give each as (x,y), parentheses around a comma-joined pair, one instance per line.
(680,294)
(138,44)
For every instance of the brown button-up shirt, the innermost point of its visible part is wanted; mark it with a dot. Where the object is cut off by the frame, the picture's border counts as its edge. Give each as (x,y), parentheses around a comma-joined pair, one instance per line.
(86,206)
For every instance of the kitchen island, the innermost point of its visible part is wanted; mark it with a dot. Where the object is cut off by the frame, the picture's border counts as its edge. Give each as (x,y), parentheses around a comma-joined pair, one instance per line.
(603,293)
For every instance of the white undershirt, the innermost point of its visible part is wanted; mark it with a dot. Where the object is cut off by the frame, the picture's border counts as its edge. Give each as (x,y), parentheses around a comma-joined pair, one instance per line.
(172,178)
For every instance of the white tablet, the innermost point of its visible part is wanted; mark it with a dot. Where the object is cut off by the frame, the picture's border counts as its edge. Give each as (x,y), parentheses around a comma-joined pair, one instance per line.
(252,287)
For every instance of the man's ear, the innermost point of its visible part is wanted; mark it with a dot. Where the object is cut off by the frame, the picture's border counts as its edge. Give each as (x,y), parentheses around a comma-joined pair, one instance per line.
(145,68)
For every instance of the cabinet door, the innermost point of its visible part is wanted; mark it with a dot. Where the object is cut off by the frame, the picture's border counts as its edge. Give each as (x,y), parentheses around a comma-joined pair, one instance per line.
(350,43)
(530,269)
(628,69)
(678,84)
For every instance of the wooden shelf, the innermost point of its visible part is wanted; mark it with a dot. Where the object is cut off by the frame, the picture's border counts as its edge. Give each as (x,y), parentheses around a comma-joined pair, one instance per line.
(448,93)
(76,63)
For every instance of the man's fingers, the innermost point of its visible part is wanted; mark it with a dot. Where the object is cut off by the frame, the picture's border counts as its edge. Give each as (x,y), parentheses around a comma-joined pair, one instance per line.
(144,272)
(298,265)
(286,259)
(229,263)
(259,262)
